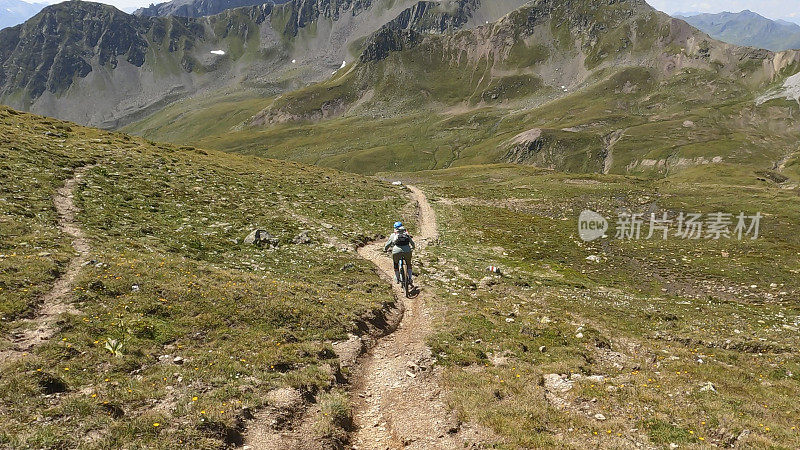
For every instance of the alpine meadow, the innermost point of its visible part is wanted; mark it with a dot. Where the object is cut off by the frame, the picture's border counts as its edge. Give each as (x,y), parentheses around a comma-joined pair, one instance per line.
(204,204)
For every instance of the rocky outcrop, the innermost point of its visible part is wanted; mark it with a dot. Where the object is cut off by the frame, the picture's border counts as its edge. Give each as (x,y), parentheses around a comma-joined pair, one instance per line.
(408,29)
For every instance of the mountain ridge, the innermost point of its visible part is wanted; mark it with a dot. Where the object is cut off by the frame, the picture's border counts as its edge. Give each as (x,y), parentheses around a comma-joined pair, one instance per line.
(748,28)
(265,49)
(197,8)
(533,73)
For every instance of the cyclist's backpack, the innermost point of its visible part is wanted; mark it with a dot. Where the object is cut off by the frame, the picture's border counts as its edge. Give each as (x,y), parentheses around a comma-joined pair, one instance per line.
(402,239)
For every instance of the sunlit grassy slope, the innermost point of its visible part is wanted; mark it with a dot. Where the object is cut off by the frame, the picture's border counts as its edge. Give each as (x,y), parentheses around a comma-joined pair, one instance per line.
(653,321)
(613,87)
(170,275)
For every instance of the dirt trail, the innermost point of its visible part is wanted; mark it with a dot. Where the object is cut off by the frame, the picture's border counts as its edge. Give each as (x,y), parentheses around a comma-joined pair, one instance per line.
(396,396)
(53,302)
(398,400)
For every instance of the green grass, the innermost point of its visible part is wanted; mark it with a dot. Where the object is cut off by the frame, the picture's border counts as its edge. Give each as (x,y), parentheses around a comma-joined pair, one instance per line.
(190,120)
(171,276)
(647,313)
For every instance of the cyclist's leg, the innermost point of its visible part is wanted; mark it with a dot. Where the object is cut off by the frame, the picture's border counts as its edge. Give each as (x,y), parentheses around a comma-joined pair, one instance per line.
(396,259)
(407,259)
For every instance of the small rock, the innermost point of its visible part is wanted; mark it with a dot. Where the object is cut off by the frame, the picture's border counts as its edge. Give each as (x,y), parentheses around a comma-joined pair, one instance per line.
(556,383)
(302,238)
(599,416)
(542,349)
(743,435)
(177,360)
(708,387)
(545,319)
(135,288)
(509,319)
(688,124)
(410,374)
(593,258)
(579,336)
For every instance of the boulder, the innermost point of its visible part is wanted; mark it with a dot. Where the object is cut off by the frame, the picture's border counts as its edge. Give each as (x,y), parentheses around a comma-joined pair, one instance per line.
(261,238)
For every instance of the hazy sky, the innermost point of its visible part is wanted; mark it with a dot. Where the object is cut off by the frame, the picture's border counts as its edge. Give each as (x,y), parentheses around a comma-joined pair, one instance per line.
(774,9)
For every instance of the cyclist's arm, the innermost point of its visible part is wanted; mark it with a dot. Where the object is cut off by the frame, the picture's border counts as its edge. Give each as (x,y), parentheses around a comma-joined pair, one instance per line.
(389,243)
(411,242)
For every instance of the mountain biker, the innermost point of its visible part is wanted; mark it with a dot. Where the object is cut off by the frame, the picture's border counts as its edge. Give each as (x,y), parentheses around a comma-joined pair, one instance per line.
(402,246)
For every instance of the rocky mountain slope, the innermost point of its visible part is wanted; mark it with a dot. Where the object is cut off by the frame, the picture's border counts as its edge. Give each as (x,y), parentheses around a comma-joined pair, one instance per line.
(578,85)
(197,8)
(748,28)
(96,65)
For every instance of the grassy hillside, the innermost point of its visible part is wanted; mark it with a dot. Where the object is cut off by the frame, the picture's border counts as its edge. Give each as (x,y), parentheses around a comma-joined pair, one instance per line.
(170,275)
(627,90)
(638,333)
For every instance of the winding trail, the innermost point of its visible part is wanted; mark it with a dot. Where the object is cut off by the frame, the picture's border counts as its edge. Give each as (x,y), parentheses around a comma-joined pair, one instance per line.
(53,302)
(396,394)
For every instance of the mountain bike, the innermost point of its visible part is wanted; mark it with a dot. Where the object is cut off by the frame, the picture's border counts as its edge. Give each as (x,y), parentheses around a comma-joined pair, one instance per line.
(405,279)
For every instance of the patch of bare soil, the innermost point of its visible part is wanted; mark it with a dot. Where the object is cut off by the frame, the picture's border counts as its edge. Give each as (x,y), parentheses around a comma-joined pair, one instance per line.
(54,302)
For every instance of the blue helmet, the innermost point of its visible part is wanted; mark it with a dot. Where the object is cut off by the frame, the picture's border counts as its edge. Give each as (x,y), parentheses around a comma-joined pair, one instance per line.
(398,225)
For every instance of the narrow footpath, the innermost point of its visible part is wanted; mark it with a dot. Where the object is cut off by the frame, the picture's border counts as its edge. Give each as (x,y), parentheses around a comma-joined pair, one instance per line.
(398,400)
(54,303)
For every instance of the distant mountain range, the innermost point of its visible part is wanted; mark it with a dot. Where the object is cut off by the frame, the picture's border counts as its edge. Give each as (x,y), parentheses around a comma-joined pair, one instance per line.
(748,28)
(14,12)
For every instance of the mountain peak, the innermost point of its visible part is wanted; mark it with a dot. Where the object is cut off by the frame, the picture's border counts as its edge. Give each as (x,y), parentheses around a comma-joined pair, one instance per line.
(749,29)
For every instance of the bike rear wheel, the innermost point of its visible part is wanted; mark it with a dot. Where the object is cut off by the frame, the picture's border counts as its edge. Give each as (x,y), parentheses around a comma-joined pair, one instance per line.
(404,279)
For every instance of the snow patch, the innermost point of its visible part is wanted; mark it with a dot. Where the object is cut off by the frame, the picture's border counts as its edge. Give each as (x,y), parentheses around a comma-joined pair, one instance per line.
(218,52)
(790,91)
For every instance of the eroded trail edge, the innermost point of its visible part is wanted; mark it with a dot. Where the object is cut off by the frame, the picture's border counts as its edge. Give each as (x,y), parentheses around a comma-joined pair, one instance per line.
(54,302)
(398,401)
